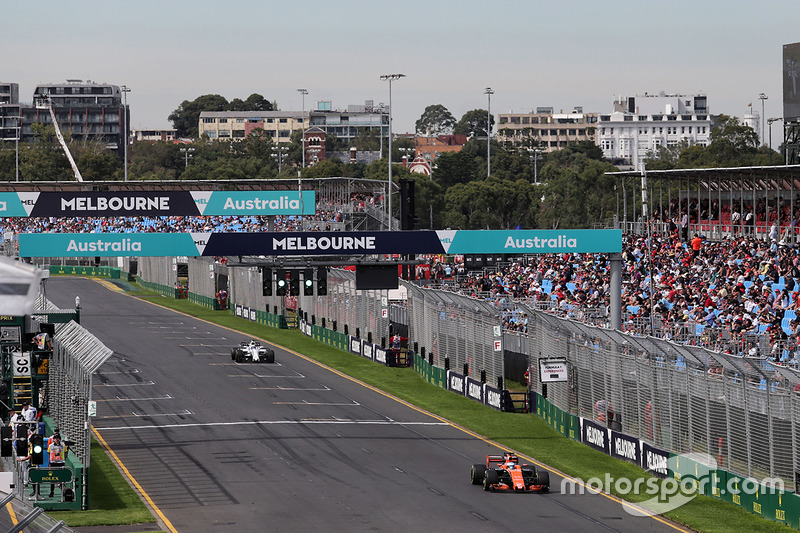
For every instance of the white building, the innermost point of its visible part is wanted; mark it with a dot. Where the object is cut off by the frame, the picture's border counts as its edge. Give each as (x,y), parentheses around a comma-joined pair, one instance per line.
(753,120)
(640,125)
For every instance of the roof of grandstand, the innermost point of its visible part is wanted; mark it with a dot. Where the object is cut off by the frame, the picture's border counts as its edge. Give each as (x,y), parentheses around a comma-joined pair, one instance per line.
(352,185)
(727,178)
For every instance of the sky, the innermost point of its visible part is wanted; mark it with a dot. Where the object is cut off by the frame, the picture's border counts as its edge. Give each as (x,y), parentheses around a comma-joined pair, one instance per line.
(531,53)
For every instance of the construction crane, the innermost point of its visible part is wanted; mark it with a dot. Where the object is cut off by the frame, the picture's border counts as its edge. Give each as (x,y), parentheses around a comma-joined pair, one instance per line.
(44,103)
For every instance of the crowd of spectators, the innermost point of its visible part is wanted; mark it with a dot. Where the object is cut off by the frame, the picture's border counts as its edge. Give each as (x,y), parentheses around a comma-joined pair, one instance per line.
(738,295)
(321,221)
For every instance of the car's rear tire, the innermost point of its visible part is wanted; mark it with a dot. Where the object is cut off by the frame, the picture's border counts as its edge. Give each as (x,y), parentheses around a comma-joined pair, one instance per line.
(543,478)
(478,473)
(233,354)
(489,479)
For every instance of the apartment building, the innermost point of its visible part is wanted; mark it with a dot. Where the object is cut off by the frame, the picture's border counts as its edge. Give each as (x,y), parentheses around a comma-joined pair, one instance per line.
(231,125)
(346,125)
(154,135)
(85,110)
(641,124)
(9,111)
(9,93)
(546,130)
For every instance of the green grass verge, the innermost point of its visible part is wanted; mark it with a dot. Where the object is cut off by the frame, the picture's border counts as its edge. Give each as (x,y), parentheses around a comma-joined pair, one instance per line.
(112,501)
(525,433)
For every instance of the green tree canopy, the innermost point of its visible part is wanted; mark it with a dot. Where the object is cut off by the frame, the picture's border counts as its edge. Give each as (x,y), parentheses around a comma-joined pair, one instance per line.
(473,124)
(254,102)
(577,193)
(460,167)
(96,162)
(732,144)
(186,117)
(435,120)
(43,159)
(490,204)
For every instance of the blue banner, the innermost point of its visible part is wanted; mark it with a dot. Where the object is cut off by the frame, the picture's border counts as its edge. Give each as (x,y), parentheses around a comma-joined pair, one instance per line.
(156,203)
(257,203)
(109,244)
(317,243)
(519,242)
(14,204)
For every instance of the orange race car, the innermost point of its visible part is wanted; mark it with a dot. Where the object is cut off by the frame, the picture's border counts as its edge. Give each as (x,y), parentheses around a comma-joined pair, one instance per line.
(505,473)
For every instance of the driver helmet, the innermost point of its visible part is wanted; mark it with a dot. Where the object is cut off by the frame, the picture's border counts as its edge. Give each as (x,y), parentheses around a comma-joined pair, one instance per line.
(511,464)
(252,343)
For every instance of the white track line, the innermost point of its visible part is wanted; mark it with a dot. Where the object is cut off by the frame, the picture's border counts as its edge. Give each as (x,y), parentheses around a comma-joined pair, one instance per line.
(277,422)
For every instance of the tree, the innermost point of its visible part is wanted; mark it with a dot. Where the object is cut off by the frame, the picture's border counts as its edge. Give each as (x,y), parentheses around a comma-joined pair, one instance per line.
(490,204)
(95,161)
(732,145)
(435,120)
(473,124)
(458,167)
(158,160)
(368,140)
(578,194)
(43,159)
(730,130)
(325,169)
(587,148)
(186,117)
(8,163)
(254,102)
(665,157)
(429,201)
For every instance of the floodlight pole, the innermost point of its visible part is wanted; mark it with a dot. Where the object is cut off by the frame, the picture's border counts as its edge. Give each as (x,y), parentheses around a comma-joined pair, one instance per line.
(304,92)
(762,97)
(489,92)
(390,78)
(770,121)
(16,145)
(125,90)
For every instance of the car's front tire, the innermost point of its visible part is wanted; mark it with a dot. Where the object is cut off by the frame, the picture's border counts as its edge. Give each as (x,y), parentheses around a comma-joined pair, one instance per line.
(477,474)
(489,480)
(543,478)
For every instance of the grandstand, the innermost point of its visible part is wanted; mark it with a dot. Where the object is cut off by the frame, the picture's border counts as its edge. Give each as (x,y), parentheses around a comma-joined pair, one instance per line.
(343,204)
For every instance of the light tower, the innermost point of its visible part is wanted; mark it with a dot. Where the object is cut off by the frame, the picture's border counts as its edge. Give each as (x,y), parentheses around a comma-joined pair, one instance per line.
(390,78)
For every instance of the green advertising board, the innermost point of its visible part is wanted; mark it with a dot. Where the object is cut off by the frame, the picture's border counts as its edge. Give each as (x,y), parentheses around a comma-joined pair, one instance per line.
(50,475)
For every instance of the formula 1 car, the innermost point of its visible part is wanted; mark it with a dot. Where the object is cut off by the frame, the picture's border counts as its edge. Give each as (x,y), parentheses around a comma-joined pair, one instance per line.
(252,351)
(505,473)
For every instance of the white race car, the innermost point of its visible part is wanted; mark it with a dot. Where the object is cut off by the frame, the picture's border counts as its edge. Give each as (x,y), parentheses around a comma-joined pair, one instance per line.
(252,351)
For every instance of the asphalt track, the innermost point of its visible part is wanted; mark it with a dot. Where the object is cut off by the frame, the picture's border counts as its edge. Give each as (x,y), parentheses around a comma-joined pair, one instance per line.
(217,446)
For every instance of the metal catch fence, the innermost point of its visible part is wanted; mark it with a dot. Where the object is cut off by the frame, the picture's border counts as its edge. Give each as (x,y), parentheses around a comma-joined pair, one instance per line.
(362,312)
(77,354)
(742,411)
(679,394)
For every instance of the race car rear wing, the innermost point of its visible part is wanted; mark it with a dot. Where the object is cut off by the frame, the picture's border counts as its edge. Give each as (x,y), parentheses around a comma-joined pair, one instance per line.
(499,459)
